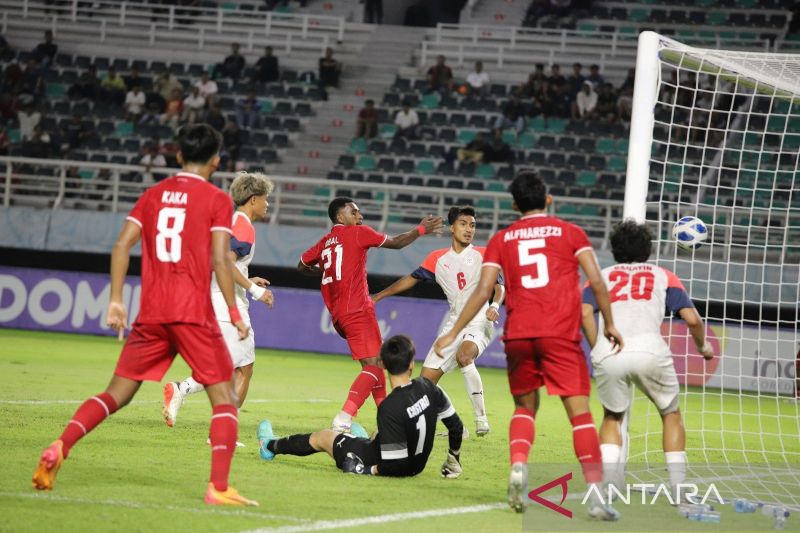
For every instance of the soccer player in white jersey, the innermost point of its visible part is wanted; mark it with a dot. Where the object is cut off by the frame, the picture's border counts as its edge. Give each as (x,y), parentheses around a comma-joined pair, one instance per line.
(640,292)
(457,270)
(250,191)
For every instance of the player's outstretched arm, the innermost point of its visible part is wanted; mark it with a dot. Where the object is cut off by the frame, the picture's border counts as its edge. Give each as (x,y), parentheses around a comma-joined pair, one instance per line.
(401,285)
(220,246)
(429,224)
(479,297)
(117,315)
(309,270)
(698,331)
(493,313)
(588,324)
(588,263)
(259,292)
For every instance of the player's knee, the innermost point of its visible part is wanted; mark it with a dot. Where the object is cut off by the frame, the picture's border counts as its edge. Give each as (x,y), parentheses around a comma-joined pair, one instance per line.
(611,415)
(672,408)
(464,359)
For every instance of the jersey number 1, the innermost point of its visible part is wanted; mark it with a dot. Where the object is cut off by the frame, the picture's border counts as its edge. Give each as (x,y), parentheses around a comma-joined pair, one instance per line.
(422,427)
(327,255)
(526,258)
(168,241)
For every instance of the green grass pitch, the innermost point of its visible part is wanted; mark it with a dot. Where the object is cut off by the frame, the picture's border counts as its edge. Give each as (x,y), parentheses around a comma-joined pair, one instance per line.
(135,474)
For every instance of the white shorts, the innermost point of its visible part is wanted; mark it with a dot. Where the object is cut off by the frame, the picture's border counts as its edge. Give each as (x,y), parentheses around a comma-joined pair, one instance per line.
(654,375)
(481,336)
(243,352)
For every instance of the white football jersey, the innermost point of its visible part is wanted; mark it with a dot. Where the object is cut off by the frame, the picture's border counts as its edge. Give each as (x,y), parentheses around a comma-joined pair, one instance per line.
(242,242)
(639,293)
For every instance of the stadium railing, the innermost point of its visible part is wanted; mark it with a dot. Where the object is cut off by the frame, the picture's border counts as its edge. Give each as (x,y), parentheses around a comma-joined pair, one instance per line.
(46,184)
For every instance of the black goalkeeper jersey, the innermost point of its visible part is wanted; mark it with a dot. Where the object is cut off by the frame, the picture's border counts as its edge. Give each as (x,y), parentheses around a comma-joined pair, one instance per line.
(407,425)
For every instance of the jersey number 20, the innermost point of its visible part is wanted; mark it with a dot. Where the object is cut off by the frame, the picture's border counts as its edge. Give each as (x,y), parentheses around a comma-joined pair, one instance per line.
(168,241)
(542,278)
(639,285)
(327,255)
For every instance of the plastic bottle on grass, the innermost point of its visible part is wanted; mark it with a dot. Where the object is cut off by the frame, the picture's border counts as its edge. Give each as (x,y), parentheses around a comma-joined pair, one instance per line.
(704,516)
(743,506)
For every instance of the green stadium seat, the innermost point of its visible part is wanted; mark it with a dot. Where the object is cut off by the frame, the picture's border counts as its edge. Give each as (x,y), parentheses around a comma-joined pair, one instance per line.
(388,131)
(556,125)
(465,136)
(707,34)
(365,162)
(266,106)
(430,101)
(323,192)
(485,203)
(705,3)
(566,209)
(14,136)
(746,4)
(615,164)
(605,146)
(358,146)
(510,137)
(589,210)
(496,186)
(627,30)
(314,213)
(587,27)
(526,140)
(586,178)
(748,36)
(717,18)
(425,167)
(622,146)
(687,34)
(537,124)
(124,129)
(55,91)
(506,205)
(485,171)
(638,15)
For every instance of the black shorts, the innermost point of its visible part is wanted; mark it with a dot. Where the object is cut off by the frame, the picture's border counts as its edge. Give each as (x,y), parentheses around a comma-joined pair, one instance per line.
(365,449)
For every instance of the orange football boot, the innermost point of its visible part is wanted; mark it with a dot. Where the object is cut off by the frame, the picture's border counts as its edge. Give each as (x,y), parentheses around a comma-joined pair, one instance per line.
(229,497)
(45,476)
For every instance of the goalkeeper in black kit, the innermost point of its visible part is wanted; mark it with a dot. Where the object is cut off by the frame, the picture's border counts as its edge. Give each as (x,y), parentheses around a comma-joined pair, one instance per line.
(406,426)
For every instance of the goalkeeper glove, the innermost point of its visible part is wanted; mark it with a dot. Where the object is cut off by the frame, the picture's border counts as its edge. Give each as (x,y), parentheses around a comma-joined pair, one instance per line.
(353,464)
(451,468)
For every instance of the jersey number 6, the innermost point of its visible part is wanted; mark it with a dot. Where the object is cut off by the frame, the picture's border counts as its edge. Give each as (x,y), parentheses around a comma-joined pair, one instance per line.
(327,255)
(539,259)
(168,241)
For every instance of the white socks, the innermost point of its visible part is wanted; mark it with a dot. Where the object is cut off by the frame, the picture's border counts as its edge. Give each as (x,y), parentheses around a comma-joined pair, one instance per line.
(189,386)
(613,469)
(472,380)
(676,466)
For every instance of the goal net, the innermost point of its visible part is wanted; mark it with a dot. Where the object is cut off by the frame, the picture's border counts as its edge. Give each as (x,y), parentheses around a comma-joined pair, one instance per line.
(715,134)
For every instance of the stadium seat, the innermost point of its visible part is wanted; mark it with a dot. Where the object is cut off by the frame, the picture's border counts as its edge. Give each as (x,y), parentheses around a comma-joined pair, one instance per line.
(566,209)
(375,178)
(436,183)
(430,101)
(587,178)
(465,136)
(615,164)
(576,161)
(485,171)
(394,180)
(405,166)
(386,164)
(365,162)
(388,131)
(346,162)
(358,146)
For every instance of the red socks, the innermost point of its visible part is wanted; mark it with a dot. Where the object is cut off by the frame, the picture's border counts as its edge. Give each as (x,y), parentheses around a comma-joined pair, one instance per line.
(86,418)
(587,447)
(223,433)
(368,380)
(520,435)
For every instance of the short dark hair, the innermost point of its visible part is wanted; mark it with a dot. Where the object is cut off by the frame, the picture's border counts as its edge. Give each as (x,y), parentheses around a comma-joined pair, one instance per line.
(199,143)
(529,191)
(631,242)
(336,205)
(397,353)
(458,210)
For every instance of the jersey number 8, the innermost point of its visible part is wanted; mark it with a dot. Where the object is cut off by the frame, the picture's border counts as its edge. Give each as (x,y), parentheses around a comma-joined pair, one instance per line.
(168,241)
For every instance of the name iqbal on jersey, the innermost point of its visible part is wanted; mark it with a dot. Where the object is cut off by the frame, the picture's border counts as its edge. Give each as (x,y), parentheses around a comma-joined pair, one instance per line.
(538,232)
(332,240)
(420,405)
(173,197)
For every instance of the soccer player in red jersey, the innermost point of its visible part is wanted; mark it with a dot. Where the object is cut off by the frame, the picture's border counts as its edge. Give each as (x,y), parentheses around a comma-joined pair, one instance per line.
(184,224)
(539,255)
(340,257)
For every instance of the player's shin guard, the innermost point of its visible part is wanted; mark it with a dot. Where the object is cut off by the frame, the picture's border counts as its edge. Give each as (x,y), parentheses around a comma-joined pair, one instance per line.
(587,447)
(369,377)
(86,418)
(521,432)
(472,379)
(676,466)
(299,445)
(379,389)
(613,469)
(223,433)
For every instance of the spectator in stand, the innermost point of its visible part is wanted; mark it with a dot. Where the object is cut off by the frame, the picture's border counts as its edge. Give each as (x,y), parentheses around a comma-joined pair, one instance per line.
(556,79)
(513,115)
(478,81)
(248,111)
(232,66)
(606,103)
(193,107)
(560,8)
(86,86)
(585,102)
(576,80)
(625,99)
(208,88)
(134,104)
(407,122)
(215,118)
(329,70)
(367,121)
(45,53)
(499,151)
(151,159)
(373,11)
(113,87)
(166,84)
(76,132)
(528,89)
(475,150)
(542,100)
(594,76)
(6,54)
(32,81)
(561,101)
(267,69)
(133,79)
(173,111)
(537,10)
(4,141)
(38,146)
(440,77)
(232,142)
(28,118)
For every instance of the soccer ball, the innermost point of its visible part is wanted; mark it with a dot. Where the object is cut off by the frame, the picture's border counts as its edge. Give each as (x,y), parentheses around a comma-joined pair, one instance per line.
(689,232)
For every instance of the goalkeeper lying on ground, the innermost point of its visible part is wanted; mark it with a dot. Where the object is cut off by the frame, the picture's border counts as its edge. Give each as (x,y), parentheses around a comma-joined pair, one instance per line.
(406,426)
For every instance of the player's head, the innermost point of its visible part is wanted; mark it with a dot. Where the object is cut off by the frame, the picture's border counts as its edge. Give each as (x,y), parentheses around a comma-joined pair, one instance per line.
(199,145)
(529,192)
(344,211)
(397,354)
(631,242)
(462,223)
(249,191)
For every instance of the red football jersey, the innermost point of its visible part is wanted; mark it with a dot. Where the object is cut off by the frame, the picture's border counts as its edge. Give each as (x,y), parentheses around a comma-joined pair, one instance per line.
(538,256)
(342,255)
(177,217)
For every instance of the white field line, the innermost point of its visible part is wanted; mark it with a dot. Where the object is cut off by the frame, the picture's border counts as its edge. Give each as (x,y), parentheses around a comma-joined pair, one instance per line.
(58,402)
(323,525)
(138,505)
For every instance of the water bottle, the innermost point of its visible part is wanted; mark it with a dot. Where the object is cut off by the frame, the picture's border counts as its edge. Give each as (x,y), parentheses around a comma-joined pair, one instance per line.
(686,509)
(778,513)
(743,506)
(704,516)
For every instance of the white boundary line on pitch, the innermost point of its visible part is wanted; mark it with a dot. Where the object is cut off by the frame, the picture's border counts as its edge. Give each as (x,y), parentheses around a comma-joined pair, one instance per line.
(137,505)
(58,402)
(323,525)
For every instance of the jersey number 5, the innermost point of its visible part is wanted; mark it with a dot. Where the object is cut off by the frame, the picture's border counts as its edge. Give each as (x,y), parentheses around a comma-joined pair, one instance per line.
(168,241)
(327,256)
(539,259)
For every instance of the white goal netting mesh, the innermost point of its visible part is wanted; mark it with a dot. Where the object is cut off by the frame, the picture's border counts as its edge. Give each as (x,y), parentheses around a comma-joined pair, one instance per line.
(725,149)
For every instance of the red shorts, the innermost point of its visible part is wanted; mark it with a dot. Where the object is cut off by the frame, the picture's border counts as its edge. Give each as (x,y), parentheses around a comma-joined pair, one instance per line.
(362,333)
(558,363)
(151,348)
